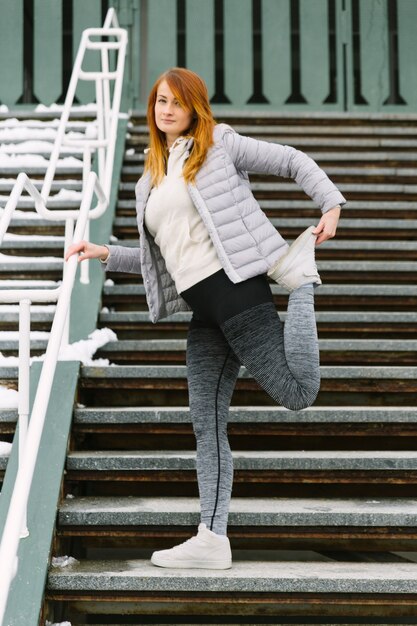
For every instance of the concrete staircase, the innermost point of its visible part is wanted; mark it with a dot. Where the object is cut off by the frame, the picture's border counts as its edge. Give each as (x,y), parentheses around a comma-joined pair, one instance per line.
(323,521)
(32,250)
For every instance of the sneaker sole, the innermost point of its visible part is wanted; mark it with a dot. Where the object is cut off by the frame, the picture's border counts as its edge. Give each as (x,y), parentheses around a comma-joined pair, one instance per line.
(191,564)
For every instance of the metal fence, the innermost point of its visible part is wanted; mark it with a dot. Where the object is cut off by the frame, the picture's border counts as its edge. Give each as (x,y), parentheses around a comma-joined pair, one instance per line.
(313,55)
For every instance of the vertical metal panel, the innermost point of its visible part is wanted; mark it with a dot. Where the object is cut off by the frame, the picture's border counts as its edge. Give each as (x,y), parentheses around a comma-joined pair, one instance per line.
(238,51)
(373,56)
(86,15)
(407,49)
(200,40)
(162,38)
(47,46)
(314,52)
(129,15)
(276,50)
(11,51)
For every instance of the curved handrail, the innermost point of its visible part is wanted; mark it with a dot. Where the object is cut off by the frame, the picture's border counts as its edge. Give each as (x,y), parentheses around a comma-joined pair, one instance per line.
(18,502)
(108,107)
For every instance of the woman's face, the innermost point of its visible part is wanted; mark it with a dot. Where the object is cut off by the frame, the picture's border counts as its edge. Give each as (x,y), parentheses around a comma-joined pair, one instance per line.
(170,117)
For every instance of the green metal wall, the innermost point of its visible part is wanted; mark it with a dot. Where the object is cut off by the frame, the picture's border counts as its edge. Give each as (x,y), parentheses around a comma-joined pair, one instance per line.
(313,55)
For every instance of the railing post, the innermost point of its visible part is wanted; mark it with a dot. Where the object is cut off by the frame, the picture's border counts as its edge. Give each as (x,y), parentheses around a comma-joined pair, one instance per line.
(69,234)
(23,385)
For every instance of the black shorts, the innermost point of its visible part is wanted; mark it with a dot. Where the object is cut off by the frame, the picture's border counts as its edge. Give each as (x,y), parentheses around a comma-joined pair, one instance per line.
(216,298)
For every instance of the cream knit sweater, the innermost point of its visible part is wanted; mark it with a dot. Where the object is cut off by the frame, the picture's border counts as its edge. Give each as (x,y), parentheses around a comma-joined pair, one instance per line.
(177,228)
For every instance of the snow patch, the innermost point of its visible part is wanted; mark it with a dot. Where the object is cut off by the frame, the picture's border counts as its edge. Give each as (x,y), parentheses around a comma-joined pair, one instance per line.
(5,258)
(82,350)
(63,561)
(57,624)
(3,108)
(35,160)
(8,398)
(66,194)
(5,448)
(91,106)
(109,282)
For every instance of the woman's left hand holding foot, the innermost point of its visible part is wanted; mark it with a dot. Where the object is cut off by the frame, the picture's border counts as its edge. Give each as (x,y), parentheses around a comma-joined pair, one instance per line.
(326,228)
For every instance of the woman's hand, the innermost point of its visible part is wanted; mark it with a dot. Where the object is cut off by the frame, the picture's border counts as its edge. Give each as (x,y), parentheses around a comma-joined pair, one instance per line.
(326,228)
(87,250)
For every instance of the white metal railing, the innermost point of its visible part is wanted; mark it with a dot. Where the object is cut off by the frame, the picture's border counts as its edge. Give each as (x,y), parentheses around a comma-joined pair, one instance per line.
(76,228)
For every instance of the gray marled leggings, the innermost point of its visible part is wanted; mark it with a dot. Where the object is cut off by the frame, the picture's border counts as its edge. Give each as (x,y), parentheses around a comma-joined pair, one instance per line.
(284,360)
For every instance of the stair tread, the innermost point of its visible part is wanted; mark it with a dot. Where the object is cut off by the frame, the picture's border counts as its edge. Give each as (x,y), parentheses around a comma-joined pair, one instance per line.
(329,155)
(305,129)
(302,223)
(137,288)
(394,317)
(326,345)
(318,460)
(243,511)
(293,186)
(306,203)
(371,414)
(179,371)
(245,576)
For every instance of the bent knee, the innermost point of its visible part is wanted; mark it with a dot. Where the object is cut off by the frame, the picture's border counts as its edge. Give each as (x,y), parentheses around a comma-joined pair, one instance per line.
(303,398)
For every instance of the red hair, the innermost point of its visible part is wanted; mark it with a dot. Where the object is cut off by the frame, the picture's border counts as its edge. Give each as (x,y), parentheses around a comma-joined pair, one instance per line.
(191,92)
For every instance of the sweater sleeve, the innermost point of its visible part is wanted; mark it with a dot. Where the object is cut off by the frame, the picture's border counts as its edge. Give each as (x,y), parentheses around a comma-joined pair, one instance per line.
(266,157)
(123,259)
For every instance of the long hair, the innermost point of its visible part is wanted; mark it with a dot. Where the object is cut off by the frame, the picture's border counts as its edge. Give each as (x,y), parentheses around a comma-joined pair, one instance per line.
(191,92)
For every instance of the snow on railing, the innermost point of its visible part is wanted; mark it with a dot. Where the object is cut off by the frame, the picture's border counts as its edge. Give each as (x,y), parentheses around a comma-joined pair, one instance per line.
(108,106)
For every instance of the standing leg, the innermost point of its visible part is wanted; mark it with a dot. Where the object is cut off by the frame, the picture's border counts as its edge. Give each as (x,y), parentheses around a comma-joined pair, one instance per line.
(284,362)
(212,370)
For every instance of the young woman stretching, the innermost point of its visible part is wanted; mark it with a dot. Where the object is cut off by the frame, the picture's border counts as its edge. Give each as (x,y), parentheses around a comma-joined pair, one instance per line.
(206,245)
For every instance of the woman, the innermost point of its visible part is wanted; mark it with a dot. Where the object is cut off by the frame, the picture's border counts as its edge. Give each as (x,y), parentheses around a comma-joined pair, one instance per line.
(206,245)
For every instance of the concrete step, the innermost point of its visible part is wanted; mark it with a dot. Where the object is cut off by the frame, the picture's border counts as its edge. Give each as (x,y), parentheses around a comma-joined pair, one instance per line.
(326,345)
(51,204)
(299,224)
(13,263)
(254,414)
(281,460)
(332,351)
(244,577)
(283,186)
(133,168)
(6,186)
(310,143)
(137,289)
(41,243)
(293,205)
(179,345)
(62,169)
(174,371)
(308,130)
(369,317)
(387,156)
(180,511)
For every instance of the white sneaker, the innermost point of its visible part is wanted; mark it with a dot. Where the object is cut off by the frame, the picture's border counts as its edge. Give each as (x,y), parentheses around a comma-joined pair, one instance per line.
(298,266)
(206,550)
